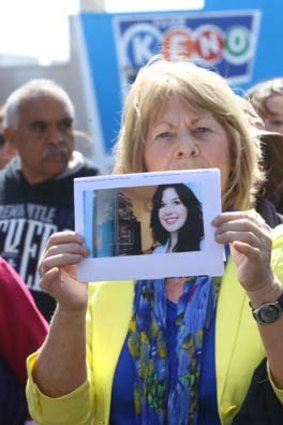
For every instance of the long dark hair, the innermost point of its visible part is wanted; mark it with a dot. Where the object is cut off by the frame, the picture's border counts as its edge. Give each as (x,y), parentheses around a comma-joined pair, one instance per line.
(191,233)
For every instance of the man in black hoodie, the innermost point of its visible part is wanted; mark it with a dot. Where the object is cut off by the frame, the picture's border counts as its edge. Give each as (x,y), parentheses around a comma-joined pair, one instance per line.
(36,188)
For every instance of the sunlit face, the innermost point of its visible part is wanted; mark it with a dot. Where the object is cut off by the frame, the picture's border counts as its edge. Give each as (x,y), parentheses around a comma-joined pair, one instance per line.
(181,139)
(43,137)
(274,120)
(172,213)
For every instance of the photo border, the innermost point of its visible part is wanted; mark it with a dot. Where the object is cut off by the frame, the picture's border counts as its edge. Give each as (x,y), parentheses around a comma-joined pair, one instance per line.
(208,261)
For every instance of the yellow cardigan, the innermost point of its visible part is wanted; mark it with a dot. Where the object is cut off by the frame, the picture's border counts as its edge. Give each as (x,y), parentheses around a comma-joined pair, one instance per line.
(238,350)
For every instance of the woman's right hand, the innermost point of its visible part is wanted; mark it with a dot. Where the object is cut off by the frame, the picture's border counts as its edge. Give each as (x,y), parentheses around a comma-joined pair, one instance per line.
(57,269)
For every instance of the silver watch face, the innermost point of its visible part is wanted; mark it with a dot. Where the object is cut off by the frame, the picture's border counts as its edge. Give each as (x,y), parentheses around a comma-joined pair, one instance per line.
(268,313)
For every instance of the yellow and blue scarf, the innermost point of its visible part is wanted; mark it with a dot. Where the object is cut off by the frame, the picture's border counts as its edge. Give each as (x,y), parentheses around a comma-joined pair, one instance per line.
(163,396)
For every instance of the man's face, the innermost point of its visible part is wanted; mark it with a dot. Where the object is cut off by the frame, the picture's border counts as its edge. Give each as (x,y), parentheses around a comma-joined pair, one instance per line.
(44,137)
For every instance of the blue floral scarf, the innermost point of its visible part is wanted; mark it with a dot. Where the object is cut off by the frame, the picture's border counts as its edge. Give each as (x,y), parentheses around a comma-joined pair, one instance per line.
(158,399)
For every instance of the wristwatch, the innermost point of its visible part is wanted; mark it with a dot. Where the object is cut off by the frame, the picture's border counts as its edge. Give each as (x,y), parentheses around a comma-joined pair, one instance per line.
(269,312)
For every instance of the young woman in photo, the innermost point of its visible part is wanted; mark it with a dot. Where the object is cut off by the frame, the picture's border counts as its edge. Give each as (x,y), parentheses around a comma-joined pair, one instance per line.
(176,219)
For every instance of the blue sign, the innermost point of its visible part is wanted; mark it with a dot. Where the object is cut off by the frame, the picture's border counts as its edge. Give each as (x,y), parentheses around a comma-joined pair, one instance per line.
(235,40)
(225,41)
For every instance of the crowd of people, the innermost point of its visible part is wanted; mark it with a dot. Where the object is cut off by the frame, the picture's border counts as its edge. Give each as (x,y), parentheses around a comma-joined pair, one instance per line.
(176,350)
(39,164)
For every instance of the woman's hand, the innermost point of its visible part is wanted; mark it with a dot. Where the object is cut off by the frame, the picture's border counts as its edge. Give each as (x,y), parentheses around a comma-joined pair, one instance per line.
(57,269)
(250,245)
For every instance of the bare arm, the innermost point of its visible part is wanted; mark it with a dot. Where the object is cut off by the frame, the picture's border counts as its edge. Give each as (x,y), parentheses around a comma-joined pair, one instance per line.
(61,365)
(250,241)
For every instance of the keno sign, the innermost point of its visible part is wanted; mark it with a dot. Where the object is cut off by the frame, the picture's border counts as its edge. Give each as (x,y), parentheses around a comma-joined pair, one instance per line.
(225,41)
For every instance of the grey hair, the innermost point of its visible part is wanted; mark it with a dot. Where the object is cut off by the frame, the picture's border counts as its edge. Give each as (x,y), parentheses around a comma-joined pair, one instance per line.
(33,88)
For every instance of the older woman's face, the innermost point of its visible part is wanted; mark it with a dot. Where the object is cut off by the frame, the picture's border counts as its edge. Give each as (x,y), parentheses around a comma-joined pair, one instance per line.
(181,139)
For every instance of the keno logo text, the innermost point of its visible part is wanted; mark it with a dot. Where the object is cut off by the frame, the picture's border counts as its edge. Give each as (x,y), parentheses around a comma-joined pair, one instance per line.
(207,43)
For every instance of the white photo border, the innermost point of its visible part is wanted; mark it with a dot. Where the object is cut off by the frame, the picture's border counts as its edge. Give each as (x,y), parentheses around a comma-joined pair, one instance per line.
(208,261)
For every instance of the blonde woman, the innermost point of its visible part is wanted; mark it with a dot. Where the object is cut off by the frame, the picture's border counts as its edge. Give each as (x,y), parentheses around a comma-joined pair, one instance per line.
(176,350)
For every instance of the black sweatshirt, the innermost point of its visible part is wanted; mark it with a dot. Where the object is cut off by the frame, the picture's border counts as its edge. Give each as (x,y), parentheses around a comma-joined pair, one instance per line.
(29,214)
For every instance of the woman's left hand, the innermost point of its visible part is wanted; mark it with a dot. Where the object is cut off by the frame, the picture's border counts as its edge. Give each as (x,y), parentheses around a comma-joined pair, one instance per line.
(250,245)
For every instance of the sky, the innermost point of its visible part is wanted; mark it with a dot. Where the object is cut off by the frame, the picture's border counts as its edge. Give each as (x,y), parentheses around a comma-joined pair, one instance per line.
(32,28)
(146,5)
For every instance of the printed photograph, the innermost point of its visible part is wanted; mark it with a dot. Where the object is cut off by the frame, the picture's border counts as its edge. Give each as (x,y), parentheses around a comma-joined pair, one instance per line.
(148,225)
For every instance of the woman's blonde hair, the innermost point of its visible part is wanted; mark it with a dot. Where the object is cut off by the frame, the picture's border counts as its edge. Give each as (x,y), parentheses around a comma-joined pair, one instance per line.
(202,90)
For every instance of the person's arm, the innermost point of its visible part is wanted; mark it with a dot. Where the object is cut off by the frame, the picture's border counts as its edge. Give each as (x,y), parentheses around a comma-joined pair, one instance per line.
(61,364)
(22,327)
(272,333)
(251,242)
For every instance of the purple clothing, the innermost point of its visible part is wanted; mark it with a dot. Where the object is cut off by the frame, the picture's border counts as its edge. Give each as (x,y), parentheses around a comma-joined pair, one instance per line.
(13,408)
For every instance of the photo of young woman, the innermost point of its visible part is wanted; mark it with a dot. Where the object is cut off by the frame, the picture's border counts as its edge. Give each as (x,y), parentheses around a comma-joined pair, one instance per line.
(176,219)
